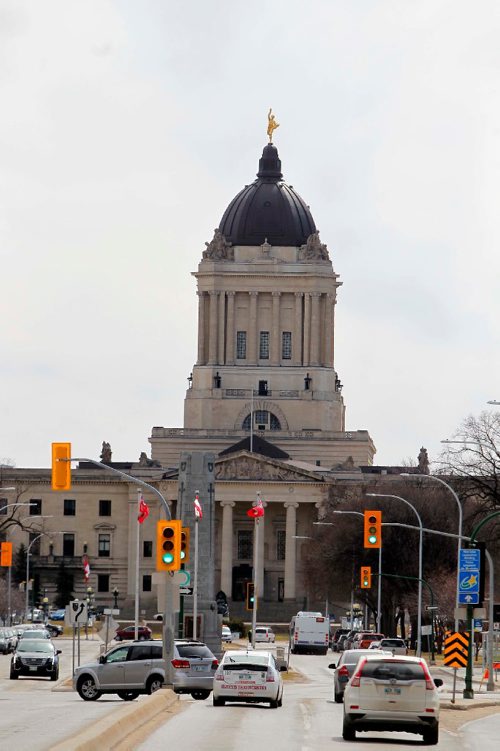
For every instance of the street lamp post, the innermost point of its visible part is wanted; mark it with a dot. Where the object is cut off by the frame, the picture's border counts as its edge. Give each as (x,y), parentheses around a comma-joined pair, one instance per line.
(115,595)
(420,557)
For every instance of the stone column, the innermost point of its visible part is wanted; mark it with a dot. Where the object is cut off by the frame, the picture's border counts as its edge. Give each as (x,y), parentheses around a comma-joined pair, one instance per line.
(221,327)
(275,330)
(315,328)
(226,561)
(230,332)
(307,328)
(297,333)
(212,336)
(260,563)
(327,358)
(201,328)
(290,550)
(252,330)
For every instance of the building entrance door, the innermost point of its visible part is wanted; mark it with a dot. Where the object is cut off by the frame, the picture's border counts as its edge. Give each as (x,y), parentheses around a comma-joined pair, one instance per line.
(241,575)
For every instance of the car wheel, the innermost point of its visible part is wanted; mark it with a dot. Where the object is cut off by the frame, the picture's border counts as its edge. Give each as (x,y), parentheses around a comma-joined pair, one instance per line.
(54,676)
(219,702)
(274,704)
(154,683)
(348,732)
(339,698)
(431,736)
(13,676)
(87,689)
(128,695)
(200,694)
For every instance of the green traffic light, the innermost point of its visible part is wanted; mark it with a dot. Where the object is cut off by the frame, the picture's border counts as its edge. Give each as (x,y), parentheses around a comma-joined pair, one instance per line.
(167,558)
(372,539)
(183,555)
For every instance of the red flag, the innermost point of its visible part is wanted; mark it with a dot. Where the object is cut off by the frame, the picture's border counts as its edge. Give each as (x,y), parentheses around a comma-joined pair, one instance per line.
(256,511)
(143,511)
(197,507)
(86,568)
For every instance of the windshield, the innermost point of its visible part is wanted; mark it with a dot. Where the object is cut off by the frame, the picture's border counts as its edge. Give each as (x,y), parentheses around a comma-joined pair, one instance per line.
(35,645)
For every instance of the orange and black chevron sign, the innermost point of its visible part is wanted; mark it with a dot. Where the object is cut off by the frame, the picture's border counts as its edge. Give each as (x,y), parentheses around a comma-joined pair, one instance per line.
(456,649)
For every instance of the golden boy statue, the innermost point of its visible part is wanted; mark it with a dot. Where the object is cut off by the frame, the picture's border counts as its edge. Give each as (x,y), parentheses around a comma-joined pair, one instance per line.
(271,125)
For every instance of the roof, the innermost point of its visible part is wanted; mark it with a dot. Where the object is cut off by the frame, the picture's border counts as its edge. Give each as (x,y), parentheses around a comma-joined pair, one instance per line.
(259,446)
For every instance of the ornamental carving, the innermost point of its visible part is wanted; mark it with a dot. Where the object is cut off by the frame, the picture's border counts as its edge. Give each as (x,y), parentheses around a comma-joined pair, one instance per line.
(219,249)
(244,468)
(314,249)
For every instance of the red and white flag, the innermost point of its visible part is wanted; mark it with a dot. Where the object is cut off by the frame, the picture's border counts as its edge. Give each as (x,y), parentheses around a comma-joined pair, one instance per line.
(198,511)
(143,511)
(256,511)
(86,568)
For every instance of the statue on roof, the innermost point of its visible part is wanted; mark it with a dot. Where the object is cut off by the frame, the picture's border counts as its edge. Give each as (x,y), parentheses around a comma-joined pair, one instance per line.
(106,452)
(271,124)
(423,461)
(314,249)
(219,249)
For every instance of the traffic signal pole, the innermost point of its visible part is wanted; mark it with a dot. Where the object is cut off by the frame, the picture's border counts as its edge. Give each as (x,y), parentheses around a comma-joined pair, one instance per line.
(255,589)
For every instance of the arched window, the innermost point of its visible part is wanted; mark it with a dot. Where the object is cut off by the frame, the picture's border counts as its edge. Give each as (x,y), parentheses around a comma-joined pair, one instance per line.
(262,418)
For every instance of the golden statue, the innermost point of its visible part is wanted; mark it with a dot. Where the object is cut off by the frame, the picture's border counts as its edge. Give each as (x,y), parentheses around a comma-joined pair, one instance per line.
(271,125)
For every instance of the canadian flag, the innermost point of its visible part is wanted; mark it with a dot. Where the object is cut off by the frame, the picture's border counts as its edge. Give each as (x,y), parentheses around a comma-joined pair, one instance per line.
(86,568)
(143,511)
(256,511)
(197,507)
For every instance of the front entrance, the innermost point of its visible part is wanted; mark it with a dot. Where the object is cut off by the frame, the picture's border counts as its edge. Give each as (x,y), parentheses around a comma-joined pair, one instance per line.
(242,574)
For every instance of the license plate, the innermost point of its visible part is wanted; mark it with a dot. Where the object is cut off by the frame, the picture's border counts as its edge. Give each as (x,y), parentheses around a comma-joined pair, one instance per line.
(199,668)
(244,677)
(32,667)
(392,691)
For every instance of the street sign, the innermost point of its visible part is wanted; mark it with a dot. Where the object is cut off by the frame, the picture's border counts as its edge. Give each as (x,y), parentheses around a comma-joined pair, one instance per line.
(469,575)
(111,611)
(77,612)
(456,650)
(426,630)
(182,578)
(186,590)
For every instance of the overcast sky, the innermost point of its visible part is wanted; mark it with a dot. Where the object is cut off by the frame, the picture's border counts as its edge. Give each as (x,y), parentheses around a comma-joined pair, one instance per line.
(127,126)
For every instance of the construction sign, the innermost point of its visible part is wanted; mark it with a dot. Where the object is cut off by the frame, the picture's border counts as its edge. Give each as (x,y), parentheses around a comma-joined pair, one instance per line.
(456,649)
(6,554)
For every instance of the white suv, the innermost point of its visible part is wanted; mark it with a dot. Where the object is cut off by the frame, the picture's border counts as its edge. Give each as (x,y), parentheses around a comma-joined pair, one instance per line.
(392,693)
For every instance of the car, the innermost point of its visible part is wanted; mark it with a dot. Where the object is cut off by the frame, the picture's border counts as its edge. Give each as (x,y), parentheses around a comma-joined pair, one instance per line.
(158,617)
(54,630)
(57,615)
(35,657)
(336,637)
(395,645)
(143,632)
(248,676)
(263,634)
(349,638)
(364,638)
(6,643)
(388,693)
(138,668)
(34,633)
(345,668)
(226,634)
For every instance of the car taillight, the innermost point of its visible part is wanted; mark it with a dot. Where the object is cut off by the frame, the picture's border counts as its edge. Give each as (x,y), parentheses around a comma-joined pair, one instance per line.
(429,683)
(344,671)
(320,620)
(215,664)
(296,636)
(270,676)
(355,680)
(180,664)
(219,676)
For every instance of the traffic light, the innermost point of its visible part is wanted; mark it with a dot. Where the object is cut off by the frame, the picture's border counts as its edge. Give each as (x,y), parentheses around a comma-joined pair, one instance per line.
(366,577)
(250,598)
(6,554)
(168,545)
(61,470)
(373,529)
(185,535)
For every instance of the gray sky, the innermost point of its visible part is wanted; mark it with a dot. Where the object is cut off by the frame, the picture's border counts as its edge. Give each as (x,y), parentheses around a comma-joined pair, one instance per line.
(127,127)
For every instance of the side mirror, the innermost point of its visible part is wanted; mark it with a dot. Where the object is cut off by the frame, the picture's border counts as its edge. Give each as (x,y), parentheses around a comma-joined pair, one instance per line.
(332,666)
(438,682)
(102,660)
(58,651)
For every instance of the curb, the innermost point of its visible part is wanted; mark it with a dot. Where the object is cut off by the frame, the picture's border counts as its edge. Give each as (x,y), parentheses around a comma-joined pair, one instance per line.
(472,704)
(113,729)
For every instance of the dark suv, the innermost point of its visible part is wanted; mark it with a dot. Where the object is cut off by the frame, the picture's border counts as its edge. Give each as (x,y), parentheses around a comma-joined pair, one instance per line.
(334,640)
(138,668)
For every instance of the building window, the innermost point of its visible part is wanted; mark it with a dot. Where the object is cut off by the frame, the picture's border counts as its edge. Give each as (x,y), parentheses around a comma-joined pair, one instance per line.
(262,419)
(104,545)
(146,583)
(69,544)
(69,507)
(286,345)
(280,544)
(103,582)
(264,345)
(3,506)
(245,544)
(274,423)
(261,416)
(36,507)
(34,543)
(147,548)
(104,508)
(241,345)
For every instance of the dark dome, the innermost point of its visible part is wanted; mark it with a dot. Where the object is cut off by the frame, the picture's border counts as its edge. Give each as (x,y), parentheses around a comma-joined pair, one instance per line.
(268,208)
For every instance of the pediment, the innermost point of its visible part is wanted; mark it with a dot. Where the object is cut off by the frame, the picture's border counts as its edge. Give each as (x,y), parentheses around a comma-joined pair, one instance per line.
(247,466)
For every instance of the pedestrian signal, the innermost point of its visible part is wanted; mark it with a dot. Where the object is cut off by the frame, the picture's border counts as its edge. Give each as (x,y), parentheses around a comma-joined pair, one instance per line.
(250,596)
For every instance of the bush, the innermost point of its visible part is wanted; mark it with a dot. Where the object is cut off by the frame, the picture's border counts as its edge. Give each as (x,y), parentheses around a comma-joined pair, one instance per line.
(237,626)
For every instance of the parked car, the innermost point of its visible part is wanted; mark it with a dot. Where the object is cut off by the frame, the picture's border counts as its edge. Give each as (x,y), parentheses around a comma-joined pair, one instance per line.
(6,641)
(138,668)
(263,634)
(54,630)
(35,657)
(226,634)
(143,632)
(158,616)
(248,676)
(364,638)
(345,668)
(394,645)
(389,693)
(57,615)
(335,638)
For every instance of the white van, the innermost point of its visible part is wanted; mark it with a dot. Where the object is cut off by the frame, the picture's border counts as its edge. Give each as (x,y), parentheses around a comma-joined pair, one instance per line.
(309,632)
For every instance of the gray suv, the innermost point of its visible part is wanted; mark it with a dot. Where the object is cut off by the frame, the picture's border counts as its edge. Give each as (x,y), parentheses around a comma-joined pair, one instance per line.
(138,668)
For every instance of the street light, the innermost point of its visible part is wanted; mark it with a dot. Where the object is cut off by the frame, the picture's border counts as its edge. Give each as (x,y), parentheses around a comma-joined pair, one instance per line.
(115,595)
(460,523)
(420,552)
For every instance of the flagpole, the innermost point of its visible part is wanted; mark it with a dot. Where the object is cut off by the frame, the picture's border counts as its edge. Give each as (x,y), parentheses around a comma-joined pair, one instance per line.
(195,582)
(251,424)
(137,554)
(255,564)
